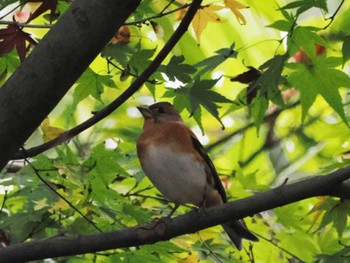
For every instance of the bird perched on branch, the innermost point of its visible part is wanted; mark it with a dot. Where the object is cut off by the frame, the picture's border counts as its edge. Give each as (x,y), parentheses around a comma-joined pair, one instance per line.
(178,166)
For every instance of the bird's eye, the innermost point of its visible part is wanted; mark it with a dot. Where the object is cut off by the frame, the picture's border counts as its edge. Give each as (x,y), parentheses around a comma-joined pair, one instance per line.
(160,110)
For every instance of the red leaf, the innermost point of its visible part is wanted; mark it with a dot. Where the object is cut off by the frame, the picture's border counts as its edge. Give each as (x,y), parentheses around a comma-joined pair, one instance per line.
(14,36)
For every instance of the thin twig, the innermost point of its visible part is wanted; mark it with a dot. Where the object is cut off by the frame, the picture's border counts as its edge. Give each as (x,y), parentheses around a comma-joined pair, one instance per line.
(134,87)
(37,173)
(5,22)
(138,22)
(159,15)
(333,16)
(110,62)
(224,139)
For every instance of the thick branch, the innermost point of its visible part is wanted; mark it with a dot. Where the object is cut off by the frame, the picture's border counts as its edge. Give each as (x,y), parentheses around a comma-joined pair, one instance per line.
(46,75)
(194,221)
(182,28)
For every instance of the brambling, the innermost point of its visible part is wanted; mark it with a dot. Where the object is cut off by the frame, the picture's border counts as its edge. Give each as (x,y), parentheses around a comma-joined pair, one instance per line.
(176,163)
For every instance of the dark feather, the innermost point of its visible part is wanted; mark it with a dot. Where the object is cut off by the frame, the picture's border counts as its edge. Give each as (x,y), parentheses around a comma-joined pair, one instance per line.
(218,185)
(236,230)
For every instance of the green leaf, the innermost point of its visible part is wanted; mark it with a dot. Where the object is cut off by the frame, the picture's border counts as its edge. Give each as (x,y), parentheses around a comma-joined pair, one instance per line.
(9,62)
(258,109)
(106,162)
(341,256)
(305,5)
(264,89)
(305,38)
(91,83)
(197,116)
(140,58)
(282,25)
(271,78)
(151,88)
(121,52)
(201,94)
(346,49)
(319,79)
(338,215)
(177,70)
(211,63)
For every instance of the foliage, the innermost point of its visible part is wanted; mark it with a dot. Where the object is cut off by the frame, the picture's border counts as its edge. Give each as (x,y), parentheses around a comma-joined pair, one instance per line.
(273,74)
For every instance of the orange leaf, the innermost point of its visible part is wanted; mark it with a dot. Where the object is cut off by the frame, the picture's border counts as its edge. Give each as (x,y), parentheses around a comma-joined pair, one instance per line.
(204,15)
(235,6)
(122,35)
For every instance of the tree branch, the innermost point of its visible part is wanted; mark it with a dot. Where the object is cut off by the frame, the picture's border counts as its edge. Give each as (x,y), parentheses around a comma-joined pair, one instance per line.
(182,28)
(330,184)
(41,81)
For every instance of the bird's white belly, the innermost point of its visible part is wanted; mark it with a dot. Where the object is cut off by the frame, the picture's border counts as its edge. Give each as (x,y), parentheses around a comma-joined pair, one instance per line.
(179,177)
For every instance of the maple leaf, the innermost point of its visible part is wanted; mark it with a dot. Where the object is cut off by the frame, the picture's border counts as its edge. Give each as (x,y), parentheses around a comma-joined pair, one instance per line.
(46,5)
(319,79)
(14,36)
(91,83)
(176,69)
(234,6)
(204,15)
(209,64)
(201,93)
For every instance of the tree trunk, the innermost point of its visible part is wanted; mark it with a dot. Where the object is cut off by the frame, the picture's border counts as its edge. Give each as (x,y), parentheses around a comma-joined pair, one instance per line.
(55,64)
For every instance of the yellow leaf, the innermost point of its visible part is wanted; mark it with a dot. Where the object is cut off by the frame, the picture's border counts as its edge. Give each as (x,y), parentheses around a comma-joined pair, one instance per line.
(40,204)
(192,258)
(49,132)
(204,15)
(235,6)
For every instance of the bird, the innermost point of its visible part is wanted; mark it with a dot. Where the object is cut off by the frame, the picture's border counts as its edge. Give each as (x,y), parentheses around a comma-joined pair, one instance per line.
(177,164)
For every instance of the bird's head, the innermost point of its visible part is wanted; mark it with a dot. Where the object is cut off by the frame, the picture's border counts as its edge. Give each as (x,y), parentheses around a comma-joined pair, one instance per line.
(160,112)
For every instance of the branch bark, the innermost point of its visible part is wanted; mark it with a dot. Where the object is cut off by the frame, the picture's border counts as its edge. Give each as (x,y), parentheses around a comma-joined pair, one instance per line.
(54,65)
(66,136)
(332,184)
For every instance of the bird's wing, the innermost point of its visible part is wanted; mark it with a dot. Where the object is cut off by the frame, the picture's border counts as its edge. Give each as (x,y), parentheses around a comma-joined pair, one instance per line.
(218,185)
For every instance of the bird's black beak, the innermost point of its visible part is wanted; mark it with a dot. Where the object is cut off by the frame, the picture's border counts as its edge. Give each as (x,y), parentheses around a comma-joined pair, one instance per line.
(145,111)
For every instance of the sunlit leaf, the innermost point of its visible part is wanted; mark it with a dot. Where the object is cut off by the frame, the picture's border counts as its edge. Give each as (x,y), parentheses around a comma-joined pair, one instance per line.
(305,38)
(319,79)
(258,109)
(49,132)
(91,83)
(204,15)
(305,5)
(235,6)
(209,64)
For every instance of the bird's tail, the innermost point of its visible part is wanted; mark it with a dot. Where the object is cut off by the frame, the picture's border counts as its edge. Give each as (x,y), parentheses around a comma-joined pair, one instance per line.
(238,231)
